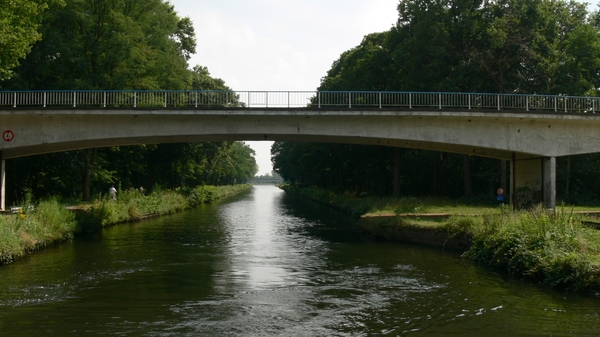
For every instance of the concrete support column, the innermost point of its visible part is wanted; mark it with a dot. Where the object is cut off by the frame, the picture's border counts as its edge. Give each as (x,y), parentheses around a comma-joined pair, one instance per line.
(2,184)
(533,181)
(526,182)
(549,186)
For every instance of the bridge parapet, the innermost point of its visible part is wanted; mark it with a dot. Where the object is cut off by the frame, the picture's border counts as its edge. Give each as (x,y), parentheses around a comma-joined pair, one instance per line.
(296,99)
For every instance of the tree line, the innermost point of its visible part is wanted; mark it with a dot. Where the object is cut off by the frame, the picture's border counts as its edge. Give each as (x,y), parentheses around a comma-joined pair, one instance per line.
(498,46)
(116,45)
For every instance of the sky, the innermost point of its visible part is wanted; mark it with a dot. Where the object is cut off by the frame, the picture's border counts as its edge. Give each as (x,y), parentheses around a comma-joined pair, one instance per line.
(279,45)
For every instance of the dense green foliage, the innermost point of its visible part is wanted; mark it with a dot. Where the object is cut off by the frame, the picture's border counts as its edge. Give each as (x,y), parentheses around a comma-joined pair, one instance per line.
(369,169)
(506,46)
(109,44)
(19,21)
(115,44)
(167,166)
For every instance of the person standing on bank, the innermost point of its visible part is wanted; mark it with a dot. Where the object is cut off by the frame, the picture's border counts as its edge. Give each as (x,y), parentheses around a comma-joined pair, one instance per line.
(113,192)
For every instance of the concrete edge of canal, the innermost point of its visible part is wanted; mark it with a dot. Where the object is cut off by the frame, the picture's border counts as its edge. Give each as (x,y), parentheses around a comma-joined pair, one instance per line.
(389,227)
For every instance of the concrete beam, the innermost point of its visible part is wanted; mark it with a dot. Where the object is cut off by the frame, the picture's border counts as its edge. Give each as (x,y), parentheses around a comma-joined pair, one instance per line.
(488,134)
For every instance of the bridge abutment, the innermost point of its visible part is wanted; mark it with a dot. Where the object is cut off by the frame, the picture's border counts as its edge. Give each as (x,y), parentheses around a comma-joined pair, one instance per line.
(533,181)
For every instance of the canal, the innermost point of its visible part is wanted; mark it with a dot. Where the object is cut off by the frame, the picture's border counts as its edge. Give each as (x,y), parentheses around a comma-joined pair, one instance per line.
(264,263)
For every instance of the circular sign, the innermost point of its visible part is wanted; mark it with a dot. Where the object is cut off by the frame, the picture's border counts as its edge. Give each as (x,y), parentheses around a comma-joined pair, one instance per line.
(8,136)
(500,191)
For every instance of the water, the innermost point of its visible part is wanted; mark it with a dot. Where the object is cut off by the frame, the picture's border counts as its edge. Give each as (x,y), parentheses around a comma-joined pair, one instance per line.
(267,264)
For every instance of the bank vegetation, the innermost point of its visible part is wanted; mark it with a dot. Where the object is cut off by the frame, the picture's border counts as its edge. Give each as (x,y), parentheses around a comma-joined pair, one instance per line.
(50,222)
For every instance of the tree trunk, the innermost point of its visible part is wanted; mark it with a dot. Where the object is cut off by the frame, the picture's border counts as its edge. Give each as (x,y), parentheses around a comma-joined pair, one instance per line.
(568,178)
(396,168)
(467,175)
(89,159)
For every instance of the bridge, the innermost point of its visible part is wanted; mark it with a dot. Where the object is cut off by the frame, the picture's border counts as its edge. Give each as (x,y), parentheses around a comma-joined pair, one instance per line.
(530,131)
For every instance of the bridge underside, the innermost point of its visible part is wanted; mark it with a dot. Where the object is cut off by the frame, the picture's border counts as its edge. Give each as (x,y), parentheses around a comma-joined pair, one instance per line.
(530,141)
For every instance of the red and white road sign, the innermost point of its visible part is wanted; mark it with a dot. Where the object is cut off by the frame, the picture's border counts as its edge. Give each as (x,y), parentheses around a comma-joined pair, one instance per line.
(8,136)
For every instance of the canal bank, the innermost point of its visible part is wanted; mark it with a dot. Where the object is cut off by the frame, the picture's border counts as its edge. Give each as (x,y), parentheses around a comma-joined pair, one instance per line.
(551,248)
(51,222)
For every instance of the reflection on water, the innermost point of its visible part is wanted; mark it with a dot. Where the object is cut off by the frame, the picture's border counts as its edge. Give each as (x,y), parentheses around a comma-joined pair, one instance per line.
(262,264)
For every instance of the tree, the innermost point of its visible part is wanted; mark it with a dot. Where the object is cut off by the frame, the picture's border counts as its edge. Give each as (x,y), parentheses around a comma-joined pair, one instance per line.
(19,22)
(109,44)
(512,46)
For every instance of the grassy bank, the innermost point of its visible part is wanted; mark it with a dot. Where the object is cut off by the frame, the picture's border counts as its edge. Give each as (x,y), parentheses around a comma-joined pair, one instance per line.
(50,221)
(357,206)
(553,248)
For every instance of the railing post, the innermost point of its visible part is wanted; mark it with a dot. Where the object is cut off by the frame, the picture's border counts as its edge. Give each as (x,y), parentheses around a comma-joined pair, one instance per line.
(440,100)
(165,99)
(410,100)
(266,99)
(104,100)
(288,99)
(469,101)
(135,99)
(15,99)
(527,103)
(319,96)
(566,102)
(555,107)
(593,106)
(498,102)
(44,99)
(196,99)
(74,98)
(380,100)
(349,99)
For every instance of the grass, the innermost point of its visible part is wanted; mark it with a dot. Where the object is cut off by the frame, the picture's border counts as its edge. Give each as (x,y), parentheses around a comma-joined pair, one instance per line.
(30,230)
(553,247)
(50,221)
(357,206)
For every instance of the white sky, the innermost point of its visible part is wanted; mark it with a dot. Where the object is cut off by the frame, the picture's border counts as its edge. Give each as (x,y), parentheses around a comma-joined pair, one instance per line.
(279,45)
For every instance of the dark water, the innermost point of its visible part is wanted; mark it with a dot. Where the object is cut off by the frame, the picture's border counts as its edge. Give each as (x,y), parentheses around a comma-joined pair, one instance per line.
(267,264)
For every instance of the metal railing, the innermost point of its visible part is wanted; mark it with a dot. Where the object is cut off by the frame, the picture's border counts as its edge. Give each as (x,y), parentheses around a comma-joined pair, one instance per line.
(295,99)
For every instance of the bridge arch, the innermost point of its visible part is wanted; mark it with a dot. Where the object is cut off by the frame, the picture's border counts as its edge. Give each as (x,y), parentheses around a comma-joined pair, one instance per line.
(459,123)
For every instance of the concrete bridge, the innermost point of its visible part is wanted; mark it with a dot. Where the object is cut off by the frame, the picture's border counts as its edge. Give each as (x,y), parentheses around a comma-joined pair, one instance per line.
(530,131)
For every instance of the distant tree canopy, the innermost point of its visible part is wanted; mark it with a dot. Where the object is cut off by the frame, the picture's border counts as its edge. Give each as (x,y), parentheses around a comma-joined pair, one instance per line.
(111,44)
(503,46)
